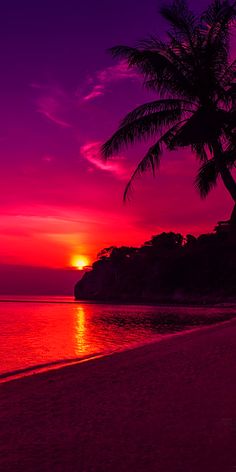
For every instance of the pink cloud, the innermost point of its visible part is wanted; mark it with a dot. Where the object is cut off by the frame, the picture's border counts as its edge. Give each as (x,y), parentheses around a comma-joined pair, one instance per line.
(91,152)
(106,76)
(119,71)
(96,91)
(53,104)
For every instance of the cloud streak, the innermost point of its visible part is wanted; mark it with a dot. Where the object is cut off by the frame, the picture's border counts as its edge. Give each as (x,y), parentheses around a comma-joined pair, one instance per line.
(107,76)
(53,104)
(91,153)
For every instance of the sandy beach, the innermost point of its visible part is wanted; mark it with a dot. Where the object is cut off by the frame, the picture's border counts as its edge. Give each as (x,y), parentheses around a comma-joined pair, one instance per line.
(167,407)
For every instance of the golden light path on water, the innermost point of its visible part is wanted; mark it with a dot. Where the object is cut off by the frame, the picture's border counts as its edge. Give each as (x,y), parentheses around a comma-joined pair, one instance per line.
(80,331)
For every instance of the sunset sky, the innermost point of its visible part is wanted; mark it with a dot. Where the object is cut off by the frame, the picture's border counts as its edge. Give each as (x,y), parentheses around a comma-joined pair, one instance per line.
(62,95)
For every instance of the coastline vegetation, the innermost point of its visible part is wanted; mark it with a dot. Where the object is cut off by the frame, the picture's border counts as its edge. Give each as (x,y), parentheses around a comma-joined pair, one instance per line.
(167,268)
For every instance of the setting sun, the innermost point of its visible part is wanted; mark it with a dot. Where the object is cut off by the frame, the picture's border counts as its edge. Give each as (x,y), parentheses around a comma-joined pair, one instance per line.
(79,262)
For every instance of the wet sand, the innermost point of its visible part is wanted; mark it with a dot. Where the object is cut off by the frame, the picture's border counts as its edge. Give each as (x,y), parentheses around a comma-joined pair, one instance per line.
(165,407)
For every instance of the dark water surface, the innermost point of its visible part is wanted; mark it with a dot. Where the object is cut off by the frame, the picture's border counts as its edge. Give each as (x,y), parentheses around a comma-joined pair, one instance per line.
(45,332)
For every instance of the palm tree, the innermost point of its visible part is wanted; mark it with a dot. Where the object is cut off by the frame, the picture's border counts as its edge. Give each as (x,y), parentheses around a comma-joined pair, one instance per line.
(195,80)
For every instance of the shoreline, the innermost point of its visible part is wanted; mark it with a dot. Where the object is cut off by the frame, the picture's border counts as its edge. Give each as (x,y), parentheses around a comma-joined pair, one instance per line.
(185,302)
(166,406)
(32,371)
(168,302)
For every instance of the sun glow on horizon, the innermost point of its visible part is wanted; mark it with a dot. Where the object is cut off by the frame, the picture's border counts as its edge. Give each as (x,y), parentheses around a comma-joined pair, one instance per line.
(79,262)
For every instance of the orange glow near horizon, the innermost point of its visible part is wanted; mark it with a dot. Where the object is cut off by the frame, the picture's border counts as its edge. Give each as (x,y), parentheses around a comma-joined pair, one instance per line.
(79,262)
(61,204)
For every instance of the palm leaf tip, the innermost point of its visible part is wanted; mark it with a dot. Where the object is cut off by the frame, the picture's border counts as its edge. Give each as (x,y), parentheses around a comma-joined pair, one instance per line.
(206,178)
(106,150)
(179,16)
(141,128)
(127,192)
(219,11)
(151,161)
(113,145)
(121,51)
(200,151)
(164,109)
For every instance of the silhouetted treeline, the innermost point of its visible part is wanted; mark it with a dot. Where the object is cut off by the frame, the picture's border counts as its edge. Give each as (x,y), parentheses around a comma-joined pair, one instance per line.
(166,268)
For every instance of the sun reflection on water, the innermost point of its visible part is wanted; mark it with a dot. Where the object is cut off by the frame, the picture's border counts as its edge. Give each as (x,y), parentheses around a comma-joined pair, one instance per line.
(80,331)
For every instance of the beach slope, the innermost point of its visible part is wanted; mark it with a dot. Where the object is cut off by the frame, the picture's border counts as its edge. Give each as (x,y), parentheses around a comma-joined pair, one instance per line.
(166,407)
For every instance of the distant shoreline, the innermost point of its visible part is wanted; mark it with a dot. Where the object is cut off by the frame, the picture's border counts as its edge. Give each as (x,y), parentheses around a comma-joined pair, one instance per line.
(224,301)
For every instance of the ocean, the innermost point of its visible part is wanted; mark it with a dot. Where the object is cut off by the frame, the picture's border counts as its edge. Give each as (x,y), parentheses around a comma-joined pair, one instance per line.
(40,333)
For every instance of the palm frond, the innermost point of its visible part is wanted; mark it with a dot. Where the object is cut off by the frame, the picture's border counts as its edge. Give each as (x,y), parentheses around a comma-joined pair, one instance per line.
(141,128)
(229,155)
(228,75)
(182,20)
(158,105)
(206,178)
(176,52)
(208,173)
(202,127)
(200,151)
(152,158)
(218,19)
(196,85)
(231,117)
(162,70)
(169,137)
(150,161)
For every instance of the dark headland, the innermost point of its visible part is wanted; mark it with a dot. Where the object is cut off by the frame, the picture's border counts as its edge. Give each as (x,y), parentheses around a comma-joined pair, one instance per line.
(168,269)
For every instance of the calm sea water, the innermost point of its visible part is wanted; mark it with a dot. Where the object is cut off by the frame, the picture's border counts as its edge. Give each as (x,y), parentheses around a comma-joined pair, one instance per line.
(45,332)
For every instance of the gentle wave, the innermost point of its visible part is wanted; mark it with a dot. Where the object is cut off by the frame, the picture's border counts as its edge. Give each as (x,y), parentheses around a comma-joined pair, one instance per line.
(5,376)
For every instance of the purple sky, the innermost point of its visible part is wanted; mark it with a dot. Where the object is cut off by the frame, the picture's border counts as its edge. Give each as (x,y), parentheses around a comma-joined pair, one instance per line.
(61,96)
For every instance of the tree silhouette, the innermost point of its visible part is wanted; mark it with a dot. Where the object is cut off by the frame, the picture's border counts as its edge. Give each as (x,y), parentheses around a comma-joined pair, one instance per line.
(194,76)
(166,268)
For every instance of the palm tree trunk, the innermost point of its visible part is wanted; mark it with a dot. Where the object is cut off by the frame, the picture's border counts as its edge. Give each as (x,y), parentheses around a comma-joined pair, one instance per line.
(233,216)
(226,176)
(230,184)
